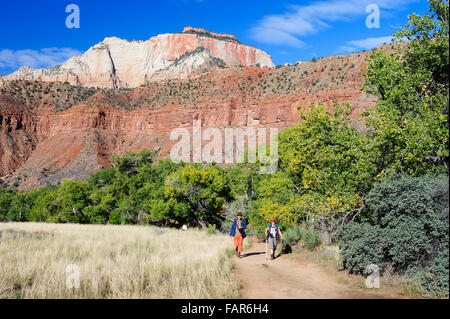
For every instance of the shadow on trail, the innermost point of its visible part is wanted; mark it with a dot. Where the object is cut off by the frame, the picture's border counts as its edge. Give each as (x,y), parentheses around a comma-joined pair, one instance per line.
(251,254)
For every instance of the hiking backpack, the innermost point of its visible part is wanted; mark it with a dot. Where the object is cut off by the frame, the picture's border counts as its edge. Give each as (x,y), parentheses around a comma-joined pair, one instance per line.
(277,234)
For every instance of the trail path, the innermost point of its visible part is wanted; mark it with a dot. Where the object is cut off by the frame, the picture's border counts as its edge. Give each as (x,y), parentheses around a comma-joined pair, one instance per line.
(289,279)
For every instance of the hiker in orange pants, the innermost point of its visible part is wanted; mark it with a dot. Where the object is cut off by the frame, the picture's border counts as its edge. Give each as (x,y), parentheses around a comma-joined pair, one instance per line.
(238,242)
(238,234)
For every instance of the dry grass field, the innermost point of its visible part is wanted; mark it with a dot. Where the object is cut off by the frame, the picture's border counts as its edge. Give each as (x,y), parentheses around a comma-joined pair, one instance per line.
(113,262)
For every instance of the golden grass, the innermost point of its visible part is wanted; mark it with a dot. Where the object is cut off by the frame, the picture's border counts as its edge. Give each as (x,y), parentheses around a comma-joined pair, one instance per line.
(114,262)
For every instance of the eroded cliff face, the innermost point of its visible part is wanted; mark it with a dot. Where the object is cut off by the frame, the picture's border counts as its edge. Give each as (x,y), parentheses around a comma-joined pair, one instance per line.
(17,134)
(53,130)
(117,63)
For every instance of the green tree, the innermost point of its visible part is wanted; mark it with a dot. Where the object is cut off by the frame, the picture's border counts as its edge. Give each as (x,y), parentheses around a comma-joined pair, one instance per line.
(7,196)
(410,123)
(204,190)
(45,207)
(331,165)
(101,203)
(72,197)
(129,163)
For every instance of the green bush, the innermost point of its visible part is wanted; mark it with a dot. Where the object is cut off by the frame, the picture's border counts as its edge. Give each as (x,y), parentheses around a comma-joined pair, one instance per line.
(292,235)
(434,279)
(360,245)
(310,238)
(409,230)
(115,218)
(413,213)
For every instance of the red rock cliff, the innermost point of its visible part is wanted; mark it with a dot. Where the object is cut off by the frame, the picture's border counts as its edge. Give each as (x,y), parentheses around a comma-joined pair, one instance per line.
(53,131)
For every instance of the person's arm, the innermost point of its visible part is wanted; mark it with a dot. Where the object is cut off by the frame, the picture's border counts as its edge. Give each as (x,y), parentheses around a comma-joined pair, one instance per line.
(244,225)
(281,235)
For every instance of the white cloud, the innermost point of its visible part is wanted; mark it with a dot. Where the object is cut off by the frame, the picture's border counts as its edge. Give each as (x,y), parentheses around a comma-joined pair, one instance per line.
(370,43)
(309,19)
(363,44)
(13,59)
(274,36)
(346,49)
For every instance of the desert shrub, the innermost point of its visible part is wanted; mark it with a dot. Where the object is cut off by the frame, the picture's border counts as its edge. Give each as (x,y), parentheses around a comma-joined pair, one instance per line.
(433,280)
(360,245)
(408,230)
(310,238)
(413,212)
(292,235)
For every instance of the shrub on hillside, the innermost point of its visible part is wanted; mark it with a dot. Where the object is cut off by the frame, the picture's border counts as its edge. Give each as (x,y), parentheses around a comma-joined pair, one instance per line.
(292,235)
(413,212)
(409,230)
(360,245)
(310,238)
(434,279)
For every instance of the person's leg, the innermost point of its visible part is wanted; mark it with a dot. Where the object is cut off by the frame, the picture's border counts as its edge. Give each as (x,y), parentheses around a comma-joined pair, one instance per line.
(241,242)
(272,244)
(236,243)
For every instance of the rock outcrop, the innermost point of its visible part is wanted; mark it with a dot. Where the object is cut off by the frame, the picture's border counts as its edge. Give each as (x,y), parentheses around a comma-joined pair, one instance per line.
(117,63)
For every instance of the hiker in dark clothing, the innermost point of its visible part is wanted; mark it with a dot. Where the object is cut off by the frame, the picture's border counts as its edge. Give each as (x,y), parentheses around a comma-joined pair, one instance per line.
(237,233)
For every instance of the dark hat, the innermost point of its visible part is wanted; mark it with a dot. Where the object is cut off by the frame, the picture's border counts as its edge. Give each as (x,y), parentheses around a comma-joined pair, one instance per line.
(239,214)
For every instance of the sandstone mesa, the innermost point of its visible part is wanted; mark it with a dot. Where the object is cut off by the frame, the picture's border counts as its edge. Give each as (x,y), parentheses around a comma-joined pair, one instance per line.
(117,63)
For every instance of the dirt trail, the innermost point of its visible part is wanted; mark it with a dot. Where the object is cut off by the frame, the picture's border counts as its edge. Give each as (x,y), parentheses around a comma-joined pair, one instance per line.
(288,279)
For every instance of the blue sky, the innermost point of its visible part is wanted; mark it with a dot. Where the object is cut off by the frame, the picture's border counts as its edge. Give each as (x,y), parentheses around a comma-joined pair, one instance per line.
(34,33)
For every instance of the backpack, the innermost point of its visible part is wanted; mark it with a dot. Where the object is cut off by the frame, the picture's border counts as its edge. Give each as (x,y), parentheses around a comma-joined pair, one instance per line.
(277,234)
(242,231)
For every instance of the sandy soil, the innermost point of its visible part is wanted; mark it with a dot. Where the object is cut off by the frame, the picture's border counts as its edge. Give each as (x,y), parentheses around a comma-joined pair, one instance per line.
(284,279)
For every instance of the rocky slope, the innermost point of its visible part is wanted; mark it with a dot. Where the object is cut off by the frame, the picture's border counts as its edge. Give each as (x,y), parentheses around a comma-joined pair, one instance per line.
(54,130)
(117,63)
